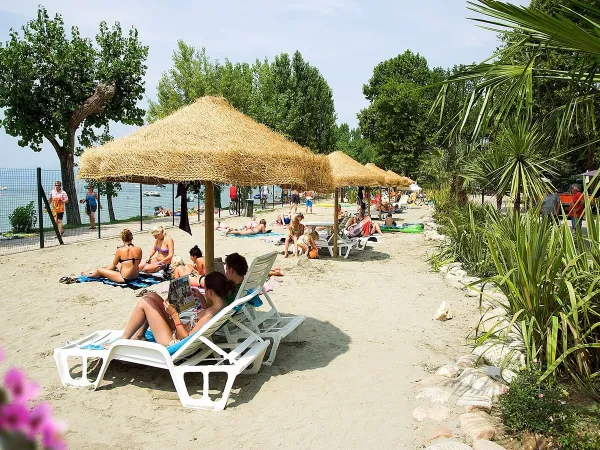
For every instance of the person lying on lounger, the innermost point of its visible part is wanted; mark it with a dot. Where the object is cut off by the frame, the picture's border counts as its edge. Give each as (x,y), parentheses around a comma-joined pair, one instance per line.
(163,318)
(366,227)
(163,247)
(125,266)
(355,220)
(261,228)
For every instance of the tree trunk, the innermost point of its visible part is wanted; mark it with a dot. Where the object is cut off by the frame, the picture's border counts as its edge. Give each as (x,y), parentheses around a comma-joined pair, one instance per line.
(591,157)
(111,210)
(499,198)
(517,206)
(67,164)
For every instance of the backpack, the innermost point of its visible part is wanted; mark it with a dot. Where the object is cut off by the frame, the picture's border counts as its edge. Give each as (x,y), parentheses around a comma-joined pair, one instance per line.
(355,231)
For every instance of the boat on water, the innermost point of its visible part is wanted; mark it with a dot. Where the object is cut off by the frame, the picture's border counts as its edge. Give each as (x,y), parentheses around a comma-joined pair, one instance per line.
(3,188)
(151,194)
(162,186)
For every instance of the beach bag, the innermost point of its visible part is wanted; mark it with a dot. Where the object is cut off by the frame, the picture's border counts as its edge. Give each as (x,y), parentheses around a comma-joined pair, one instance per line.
(355,231)
(313,253)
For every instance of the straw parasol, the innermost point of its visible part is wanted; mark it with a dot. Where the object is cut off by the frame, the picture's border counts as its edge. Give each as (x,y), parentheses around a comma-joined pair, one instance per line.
(211,141)
(348,172)
(399,180)
(388,180)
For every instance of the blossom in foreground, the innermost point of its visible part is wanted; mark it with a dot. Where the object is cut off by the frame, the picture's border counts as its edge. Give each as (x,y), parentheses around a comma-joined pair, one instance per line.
(21,388)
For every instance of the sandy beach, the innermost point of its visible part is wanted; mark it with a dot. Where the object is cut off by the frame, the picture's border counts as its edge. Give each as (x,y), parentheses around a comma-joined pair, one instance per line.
(348,383)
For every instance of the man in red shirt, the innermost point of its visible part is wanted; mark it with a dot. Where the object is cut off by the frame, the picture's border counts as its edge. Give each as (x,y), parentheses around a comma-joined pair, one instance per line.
(577,207)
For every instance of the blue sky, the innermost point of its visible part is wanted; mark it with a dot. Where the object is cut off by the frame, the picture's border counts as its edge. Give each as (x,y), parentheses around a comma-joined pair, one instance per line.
(345,39)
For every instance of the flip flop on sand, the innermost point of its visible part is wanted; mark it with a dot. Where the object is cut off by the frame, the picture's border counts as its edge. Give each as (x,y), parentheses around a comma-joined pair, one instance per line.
(68,280)
(142,292)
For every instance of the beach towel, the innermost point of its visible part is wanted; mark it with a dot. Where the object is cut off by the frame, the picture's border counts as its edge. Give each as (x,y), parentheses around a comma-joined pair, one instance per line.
(138,283)
(268,233)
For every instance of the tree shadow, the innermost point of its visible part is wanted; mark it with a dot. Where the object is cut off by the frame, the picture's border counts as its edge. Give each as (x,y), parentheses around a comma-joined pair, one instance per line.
(368,254)
(316,344)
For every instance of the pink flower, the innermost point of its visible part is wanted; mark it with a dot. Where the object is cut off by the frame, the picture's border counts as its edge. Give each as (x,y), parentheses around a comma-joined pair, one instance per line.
(38,416)
(52,435)
(21,388)
(540,395)
(14,417)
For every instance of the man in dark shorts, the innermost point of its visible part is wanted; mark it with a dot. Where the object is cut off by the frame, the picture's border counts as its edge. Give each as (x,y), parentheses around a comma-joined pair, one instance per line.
(295,201)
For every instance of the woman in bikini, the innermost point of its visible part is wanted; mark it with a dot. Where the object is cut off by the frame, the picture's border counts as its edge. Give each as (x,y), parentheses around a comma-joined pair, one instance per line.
(163,247)
(260,229)
(296,229)
(125,266)
(195,268)
(163,318)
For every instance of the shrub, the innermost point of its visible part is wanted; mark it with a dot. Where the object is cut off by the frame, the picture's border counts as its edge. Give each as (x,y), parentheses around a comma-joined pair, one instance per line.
(533,405)
(23,218)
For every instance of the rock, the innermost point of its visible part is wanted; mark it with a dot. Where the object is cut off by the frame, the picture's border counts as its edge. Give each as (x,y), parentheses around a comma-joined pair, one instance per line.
(476,426)
(477,389)
(449,370)
(486,445)
(454,281)
(441,432)
(467,361)
(443,312)
(498,374)
(457,272)
(435,394)
(437,413)
(444,269)
(530,441)
(448,445)
(494,320)
(501,355)
(478,408)
(454,265)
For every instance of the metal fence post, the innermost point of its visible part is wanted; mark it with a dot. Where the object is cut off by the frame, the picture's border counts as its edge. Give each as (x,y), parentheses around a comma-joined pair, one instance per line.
(98,214)
(198,205)
(40,208)
(141,215)
(173,207)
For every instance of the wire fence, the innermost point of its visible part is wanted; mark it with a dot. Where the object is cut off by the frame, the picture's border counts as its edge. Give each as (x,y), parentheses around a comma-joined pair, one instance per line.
(26,219)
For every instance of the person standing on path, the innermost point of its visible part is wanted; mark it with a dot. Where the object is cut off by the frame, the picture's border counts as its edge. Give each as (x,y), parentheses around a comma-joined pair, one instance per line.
(551,206)
(295,201)
(308,195)
(58,198)
(577,207)
(92,203)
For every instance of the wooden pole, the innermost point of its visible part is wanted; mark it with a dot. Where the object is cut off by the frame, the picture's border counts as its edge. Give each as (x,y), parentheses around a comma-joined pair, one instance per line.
(209,226)
(336,227)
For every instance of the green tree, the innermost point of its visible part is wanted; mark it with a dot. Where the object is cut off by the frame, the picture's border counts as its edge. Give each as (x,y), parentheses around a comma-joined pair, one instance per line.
(397,121)
(288,94)
(52,85)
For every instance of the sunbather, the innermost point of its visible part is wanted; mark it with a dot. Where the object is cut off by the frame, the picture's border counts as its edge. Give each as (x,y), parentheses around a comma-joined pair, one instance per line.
(295,230)
(355,220)
(195,267)
(389,220)
(283,219)
(163,318)
(261,228)
(125,266)
(163,247)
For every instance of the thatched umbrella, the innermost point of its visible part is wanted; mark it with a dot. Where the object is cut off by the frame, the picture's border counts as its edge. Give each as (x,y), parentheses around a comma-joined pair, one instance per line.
(211,141)
(399,180)
(389,180)
(348,172)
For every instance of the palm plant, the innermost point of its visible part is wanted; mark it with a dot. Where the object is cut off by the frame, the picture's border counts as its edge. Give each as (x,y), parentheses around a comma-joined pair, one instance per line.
(487,161)
(500,90)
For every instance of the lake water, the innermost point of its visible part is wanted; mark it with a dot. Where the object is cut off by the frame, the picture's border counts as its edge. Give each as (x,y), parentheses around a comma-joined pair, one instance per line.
(21,189)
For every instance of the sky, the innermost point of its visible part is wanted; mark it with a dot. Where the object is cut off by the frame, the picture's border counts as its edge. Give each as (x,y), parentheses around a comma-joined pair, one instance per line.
(344,39)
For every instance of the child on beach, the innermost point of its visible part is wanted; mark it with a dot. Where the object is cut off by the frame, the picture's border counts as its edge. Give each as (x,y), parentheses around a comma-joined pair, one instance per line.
(295,230)
(307,243)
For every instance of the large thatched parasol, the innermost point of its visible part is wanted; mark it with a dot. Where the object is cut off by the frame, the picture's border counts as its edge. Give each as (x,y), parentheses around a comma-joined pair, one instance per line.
(211,141)
(348,172)
(400,180)
(389,180)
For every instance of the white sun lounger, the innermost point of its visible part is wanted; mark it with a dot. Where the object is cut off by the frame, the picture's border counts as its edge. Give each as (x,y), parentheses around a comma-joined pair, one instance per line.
(197,355)
(269,324)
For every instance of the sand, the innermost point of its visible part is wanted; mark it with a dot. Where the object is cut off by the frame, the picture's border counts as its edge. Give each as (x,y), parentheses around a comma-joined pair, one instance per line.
(349,383)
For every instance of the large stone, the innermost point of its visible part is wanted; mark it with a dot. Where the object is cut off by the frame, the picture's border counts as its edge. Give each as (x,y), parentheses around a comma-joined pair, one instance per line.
(449,370)
(437,413)
(454,281)
(443,312)
(444,270)
(501,355)
(486,445)
(435,394)
(477,389)
(457,272)
(498,374)
(467,361)
(448,445)
(476,426)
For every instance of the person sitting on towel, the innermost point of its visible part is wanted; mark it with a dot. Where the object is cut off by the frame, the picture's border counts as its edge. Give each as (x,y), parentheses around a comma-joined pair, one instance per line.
(163,318)
(163,247)
(389,220)
(125,266)
(195,267)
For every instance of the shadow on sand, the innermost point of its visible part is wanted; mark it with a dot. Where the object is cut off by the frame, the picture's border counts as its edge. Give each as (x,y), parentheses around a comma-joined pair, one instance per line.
(318,343)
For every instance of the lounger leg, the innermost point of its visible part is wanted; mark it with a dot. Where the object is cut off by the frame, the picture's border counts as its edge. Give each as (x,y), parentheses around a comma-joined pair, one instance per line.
(62,363)
(273,352)
(205,402)
(256,365)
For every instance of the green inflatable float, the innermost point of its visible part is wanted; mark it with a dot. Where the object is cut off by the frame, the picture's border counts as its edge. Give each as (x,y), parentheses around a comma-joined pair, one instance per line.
(404,228)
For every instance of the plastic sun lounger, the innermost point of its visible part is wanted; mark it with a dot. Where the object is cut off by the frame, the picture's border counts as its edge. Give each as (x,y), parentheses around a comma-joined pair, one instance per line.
(197,355)
(269,324)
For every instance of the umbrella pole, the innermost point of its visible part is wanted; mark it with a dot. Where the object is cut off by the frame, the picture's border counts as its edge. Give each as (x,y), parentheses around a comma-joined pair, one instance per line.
(209,226)
(336,227)
(368,195)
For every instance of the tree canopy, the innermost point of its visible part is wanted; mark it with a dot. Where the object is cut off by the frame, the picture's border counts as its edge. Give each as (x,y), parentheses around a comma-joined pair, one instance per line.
(288,94)
(52,84)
